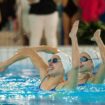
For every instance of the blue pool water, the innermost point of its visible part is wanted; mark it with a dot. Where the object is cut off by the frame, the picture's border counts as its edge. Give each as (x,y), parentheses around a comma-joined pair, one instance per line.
(19,86)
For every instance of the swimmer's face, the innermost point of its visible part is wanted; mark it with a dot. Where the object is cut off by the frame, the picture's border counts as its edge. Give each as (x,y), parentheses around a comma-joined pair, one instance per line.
(55,65)
(85,60)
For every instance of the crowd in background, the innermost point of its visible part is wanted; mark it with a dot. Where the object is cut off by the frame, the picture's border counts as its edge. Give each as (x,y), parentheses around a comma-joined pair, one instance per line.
(53,19)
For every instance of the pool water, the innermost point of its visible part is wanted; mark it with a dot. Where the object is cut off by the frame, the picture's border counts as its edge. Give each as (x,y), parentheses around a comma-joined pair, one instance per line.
(19,86)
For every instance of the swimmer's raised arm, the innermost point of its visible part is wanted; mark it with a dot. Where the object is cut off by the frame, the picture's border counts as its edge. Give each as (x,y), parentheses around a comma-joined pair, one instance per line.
(73,74)
(75,48)
(100,76)
(73,81)
(46,48)
(26,53)
(100,43)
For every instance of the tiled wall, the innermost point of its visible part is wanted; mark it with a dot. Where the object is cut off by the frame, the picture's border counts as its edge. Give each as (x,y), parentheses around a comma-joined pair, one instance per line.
(8,52)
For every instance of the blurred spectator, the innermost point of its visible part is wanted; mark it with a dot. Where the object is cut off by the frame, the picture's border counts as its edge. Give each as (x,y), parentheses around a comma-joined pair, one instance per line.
(91,10)
(43,16)
(70,14)
(8,15)
(23,15)
(23,21)
(0,17)
(102,17)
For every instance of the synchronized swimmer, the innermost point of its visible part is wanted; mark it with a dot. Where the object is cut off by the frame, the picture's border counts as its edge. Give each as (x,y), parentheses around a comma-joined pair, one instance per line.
(80,69)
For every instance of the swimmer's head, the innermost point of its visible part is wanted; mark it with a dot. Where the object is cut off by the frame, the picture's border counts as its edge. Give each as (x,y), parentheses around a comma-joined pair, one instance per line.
(61,62)
(91,59)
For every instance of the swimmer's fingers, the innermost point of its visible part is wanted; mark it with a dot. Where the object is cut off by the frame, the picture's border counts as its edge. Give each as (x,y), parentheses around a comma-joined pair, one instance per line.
(74,28)
(96,35)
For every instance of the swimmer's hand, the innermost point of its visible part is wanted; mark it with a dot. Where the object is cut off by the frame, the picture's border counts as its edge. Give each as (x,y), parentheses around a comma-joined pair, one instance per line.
(74,29)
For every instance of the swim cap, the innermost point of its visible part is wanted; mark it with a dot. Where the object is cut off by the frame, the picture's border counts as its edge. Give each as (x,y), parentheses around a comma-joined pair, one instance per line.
(96,59)
(66,61)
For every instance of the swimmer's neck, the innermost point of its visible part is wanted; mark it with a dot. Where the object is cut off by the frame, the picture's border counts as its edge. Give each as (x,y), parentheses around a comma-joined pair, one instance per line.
(82,78)
(52,82)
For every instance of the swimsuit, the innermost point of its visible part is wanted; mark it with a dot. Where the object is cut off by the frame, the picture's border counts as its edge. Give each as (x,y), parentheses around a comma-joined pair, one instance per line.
(70,9)
(53,89)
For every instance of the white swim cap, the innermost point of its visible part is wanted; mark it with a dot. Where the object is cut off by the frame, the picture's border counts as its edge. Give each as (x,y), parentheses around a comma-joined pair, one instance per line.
(96,59)
(66,61)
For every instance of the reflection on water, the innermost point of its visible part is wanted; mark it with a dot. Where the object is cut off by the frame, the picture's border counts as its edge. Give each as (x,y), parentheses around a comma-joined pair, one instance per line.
(20,87)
